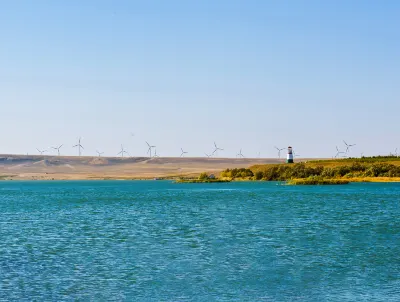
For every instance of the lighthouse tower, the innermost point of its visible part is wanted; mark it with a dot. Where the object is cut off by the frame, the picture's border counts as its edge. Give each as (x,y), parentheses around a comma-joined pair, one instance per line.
(289,158)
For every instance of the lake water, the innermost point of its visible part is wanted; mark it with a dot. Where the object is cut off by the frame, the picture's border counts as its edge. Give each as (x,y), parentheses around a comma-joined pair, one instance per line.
(159,241)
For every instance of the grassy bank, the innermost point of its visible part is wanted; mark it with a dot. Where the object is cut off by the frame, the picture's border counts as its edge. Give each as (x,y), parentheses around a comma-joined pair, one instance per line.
(317,181)
(202,181)
(203,178)
(382,169)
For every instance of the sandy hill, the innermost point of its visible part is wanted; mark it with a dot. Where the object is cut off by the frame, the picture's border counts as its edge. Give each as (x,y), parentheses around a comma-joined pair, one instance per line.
(85,167)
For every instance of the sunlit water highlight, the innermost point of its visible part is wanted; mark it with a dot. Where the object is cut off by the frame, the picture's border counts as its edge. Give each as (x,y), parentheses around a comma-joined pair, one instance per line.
(159,241)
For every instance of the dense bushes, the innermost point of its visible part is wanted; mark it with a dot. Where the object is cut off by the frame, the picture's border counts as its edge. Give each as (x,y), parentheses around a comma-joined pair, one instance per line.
(301,170)
(203,176)
(237,173)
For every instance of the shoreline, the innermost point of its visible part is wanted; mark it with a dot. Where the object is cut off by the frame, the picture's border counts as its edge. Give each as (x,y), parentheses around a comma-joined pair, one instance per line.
(194,180)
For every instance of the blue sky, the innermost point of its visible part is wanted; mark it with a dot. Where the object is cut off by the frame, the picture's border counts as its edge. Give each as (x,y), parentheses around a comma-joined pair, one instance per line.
(246,74)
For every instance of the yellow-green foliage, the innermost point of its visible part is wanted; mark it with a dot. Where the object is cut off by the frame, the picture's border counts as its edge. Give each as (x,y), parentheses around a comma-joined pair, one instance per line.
(303,170)
(237,173)
(315,180)
(203,176)
(195,181)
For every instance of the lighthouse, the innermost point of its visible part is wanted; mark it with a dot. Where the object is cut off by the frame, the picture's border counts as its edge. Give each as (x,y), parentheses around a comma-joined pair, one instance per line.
(289,158)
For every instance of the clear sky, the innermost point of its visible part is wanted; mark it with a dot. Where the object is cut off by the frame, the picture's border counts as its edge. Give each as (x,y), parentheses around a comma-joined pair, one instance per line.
(247,74)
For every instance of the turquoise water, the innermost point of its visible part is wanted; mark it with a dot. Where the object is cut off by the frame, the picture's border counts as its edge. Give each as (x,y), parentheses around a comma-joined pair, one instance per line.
(158,241)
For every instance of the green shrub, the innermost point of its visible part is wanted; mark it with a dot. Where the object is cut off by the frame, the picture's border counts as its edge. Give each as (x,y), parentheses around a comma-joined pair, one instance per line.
(203,176)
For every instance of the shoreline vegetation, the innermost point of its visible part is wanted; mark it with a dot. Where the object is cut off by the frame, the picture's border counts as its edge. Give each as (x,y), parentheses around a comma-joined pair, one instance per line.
(203,178)
(323,172)
(317,181)
(318,172)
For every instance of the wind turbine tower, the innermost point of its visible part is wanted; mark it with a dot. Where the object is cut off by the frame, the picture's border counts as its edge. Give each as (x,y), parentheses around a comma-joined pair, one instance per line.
(348,146)
(79,146)
(183,153)
(122,151)
(216,149)
(279,151)
(41,151)
(58,149)
(150,147)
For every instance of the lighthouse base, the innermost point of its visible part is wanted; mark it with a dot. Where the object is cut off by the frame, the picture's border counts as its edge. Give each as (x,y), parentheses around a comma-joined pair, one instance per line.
(289,161)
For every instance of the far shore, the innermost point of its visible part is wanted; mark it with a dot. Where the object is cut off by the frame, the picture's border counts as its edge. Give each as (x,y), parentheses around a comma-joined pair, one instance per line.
(37,168)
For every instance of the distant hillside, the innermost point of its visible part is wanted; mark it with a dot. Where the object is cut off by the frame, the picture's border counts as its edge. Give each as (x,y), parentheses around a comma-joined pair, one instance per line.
(90,167)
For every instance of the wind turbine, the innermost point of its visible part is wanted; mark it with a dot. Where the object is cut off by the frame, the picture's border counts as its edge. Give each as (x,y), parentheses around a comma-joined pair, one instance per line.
(348,146)
(58,149)
(279,151)
(395,152)
(183,153)
(240,155)
(79,146)
(338,152)
(155,153)
(216,148)
(149,150)
(208,155)
(41,151)
(99,153)
(122,151)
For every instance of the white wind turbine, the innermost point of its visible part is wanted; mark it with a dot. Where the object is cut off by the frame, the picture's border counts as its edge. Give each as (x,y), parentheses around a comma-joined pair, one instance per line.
(240,155)
(79,146)
(41,151)
(122,151)
(149,149)
(183,153)
(216,149)
(338,152)
(348,146)
(279,151)
(58,149)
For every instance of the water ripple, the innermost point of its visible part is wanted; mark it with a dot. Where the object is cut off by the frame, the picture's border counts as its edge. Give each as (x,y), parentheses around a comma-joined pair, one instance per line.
(158,241)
